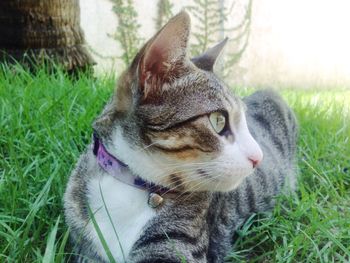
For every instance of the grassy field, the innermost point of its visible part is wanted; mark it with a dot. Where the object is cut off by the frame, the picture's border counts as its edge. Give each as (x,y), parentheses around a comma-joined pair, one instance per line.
(45,122)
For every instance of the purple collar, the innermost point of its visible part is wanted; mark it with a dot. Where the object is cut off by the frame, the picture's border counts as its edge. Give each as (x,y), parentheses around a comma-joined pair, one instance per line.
(117,169)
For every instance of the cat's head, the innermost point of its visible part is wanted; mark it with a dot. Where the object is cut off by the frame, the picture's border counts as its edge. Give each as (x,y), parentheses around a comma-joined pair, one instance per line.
(174,122)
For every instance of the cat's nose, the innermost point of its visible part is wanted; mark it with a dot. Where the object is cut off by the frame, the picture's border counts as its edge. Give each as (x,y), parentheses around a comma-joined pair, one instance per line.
(254,162)
(253,151)
(256,158)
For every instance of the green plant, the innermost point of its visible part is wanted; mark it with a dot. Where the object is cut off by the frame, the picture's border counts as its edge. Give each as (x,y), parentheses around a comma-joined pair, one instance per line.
(127,30)
(206,30)
(164,13)
(239,39)
(211,27)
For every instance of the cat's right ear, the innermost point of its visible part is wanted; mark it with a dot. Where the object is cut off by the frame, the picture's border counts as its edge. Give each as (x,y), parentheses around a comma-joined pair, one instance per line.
(207,60)
(164,55)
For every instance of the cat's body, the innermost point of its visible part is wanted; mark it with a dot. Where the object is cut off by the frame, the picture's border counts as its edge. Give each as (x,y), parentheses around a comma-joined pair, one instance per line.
(196,223)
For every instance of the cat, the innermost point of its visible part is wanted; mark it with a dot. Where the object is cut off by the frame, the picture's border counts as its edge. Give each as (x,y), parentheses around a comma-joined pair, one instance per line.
(178,162)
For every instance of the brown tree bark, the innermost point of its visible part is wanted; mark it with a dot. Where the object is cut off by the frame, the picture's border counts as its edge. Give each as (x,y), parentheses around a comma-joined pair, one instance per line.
(42,30)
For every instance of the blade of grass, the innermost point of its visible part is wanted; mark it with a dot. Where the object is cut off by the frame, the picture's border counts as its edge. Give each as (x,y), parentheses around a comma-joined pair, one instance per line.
(101,237)
(60,254)
(111,221)
(49,255)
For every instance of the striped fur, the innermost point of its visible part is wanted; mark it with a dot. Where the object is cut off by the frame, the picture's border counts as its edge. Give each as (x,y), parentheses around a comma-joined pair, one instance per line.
(157,123)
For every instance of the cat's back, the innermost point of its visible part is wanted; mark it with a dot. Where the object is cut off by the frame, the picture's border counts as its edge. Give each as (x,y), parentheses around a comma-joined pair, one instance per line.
(274,126)
(272,123)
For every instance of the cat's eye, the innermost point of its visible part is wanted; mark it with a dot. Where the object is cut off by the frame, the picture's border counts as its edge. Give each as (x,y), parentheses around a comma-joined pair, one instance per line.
(218,121)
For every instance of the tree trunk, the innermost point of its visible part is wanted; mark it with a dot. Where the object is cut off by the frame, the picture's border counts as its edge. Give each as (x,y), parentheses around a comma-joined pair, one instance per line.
(43,30)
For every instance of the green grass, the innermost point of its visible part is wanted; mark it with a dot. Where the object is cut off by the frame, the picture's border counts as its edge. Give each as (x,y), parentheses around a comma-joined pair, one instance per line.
(45,122)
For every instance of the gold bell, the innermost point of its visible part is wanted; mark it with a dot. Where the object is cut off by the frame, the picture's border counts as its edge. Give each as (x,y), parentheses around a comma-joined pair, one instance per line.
(155,200)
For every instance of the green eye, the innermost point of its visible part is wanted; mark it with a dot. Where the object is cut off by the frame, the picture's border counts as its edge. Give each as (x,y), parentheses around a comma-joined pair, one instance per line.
(218,121)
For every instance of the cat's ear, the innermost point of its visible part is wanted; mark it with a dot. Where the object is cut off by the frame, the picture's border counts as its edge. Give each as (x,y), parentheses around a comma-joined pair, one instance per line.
(207,60)
(164,54)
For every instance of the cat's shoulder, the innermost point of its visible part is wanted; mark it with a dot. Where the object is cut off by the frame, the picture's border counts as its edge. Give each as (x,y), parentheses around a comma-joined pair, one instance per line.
(265,98)
(269,105)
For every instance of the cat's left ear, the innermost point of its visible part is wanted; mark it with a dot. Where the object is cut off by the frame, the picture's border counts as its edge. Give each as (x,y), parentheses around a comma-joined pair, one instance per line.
(207,60)
(164,54)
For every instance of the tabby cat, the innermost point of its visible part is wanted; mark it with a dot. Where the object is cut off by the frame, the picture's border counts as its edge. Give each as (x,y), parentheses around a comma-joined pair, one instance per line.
(177,162)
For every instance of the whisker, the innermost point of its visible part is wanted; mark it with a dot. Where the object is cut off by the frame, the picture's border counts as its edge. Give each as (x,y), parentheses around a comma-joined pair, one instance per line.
(193,189)
(146,147)
(190,172)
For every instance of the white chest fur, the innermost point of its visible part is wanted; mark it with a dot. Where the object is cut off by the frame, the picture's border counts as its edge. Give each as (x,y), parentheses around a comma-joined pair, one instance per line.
(128,210)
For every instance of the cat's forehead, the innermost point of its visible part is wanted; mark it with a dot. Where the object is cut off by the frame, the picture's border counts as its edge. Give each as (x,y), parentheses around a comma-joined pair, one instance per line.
(194,94)
(206,90)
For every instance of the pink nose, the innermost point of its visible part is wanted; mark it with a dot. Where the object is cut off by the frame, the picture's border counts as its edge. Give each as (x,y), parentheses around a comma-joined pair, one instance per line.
(255,162)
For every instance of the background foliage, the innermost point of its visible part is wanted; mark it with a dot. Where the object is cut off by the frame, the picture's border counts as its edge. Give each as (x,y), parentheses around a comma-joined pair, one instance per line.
(127,31)
(210,28)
